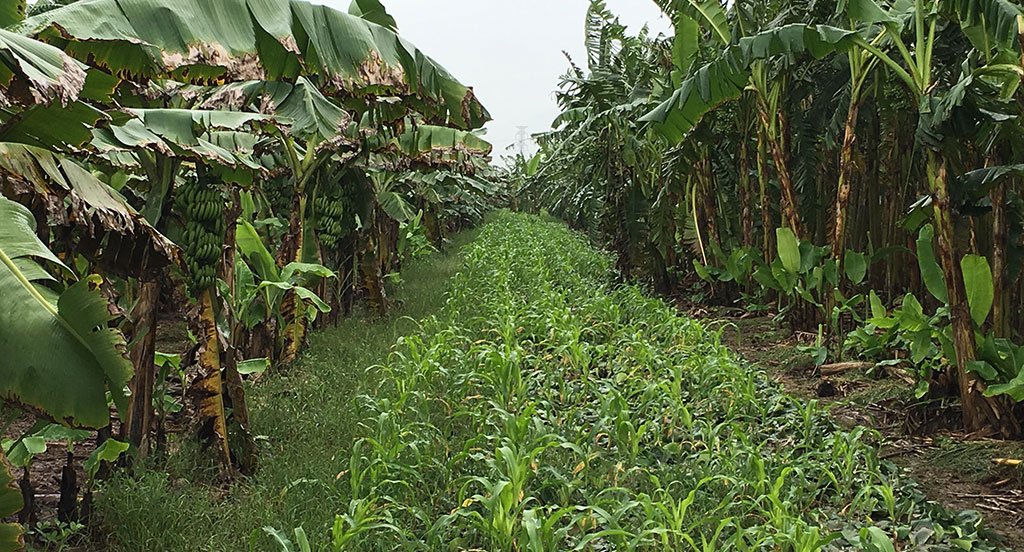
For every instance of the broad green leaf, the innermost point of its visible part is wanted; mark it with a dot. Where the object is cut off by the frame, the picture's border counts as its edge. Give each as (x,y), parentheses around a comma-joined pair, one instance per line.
(373,11)
(855,265)
(395,206)
(685,46)
(59,353)
(10,504)
(253,366)
(931,273)
(251,246)
(308,295)
(877,309)
(57,432)
(789,249)
(710,14)
(877,538)
(303,272)
(987,24)
(867,11)
(921,346)
(1014,388)
(726,77)
(911,315)
(34,444)
(983,369)
(534,164)
(979,287)
(787,280)
(11,12)
(764,276)
(109,451)
(702,271)
(160,359)
(441,146)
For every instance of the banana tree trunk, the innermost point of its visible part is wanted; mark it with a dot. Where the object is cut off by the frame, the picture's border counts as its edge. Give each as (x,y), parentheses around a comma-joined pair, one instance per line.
(846,167)
(746,218)
(766,212)
(708,199)
(787,201)
(369,273)
(232,379)
(292,308)
(979,411)
(208,384)
(139,417)
(1000,303)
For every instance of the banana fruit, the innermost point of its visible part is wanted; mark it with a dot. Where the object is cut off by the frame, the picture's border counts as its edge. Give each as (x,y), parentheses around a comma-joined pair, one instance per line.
(200,202)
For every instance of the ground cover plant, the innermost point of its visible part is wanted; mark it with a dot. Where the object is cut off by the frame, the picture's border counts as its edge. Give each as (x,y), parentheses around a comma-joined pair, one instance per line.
(547,408)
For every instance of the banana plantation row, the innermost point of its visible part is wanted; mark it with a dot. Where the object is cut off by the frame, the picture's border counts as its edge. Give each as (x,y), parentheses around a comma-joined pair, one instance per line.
(854,165)
(252,166)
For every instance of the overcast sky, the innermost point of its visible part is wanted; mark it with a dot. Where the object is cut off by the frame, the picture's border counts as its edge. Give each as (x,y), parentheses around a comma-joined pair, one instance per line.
(509,51)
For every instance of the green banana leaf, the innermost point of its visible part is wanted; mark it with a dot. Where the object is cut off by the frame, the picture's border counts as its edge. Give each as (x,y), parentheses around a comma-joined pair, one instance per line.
(210,135)
(437,146)
(59,353)
(709,14)
(12,12)
(725,78)
(374,11)
(931,272)
(301,104)
(54,127)
(979,286)
(986,23)
(203,42)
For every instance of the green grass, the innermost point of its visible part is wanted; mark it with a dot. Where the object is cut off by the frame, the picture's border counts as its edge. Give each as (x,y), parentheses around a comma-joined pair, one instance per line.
(306,419)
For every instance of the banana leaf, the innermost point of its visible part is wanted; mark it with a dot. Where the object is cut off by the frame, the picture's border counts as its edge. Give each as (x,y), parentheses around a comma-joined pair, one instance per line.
(113,233)
(725,78)
(39,72)
(373,10)
(59,354)
(202,42)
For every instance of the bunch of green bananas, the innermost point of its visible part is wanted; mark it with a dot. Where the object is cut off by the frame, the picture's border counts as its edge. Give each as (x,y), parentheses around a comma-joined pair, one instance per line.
(203,208)
(278,192)
(328,212)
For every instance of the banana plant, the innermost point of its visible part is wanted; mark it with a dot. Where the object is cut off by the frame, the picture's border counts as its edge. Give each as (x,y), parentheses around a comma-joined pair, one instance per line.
(262,289)
(994,23)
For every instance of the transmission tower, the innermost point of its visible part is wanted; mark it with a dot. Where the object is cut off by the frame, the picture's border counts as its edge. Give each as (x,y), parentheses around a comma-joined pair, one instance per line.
(521,138)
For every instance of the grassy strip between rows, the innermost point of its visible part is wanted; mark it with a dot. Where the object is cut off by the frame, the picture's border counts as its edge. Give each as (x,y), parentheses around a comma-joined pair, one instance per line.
(544,409)
(306,420)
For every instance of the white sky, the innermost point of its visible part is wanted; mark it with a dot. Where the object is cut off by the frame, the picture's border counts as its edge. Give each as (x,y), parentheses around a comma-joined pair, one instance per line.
(509,51)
